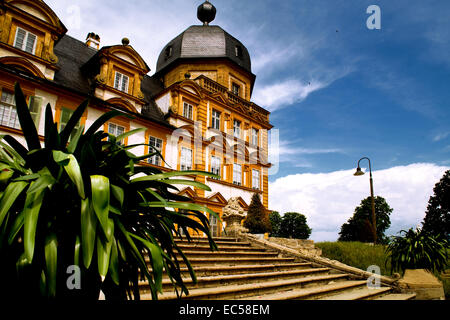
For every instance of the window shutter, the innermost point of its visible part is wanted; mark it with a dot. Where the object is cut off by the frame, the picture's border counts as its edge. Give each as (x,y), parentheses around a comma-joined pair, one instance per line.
(20,38)
(31,39)
(124,84)
(117,80)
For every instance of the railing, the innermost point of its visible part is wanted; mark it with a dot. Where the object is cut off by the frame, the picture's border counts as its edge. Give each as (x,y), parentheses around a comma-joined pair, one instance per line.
(214,87)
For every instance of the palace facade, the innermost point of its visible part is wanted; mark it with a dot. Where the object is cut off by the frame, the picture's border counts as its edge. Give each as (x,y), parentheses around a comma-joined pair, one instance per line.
(196,107)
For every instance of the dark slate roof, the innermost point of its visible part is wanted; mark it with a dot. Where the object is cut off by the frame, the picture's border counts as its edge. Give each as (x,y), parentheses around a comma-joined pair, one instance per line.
(204,42)
(73,54)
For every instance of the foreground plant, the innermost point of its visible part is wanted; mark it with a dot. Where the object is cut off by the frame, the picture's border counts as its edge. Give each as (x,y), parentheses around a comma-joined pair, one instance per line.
(418,249)
(83,200)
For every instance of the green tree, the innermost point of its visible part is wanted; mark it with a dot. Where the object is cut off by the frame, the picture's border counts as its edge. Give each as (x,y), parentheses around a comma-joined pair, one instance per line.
(77,201)
(359,226)
(257,220)
(294,225)
(275,222)
(437,216)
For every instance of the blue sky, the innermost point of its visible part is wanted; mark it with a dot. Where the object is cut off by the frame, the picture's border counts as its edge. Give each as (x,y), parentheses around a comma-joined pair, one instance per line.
(337,91)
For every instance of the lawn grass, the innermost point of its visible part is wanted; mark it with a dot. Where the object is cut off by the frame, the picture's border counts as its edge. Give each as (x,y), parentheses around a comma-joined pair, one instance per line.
(362,255)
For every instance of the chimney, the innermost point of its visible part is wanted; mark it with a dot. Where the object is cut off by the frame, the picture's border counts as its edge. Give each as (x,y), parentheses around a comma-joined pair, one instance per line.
(93,40)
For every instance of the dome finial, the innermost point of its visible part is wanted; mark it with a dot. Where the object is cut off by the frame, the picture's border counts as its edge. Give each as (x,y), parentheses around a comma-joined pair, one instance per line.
(206,12)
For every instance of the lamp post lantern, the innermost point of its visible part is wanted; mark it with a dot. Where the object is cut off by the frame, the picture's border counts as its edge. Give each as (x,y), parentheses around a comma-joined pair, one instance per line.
(359,172)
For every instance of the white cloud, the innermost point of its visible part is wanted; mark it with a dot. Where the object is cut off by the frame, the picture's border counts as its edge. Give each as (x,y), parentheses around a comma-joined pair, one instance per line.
(328,199)
(441,136)
(281,94)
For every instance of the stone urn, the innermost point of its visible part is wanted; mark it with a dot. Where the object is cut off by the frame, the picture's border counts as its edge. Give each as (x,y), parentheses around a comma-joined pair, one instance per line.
(233,214)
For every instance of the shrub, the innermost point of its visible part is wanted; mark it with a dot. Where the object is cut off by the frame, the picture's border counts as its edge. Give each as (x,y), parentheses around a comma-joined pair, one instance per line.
(275,222)
(417,249)
(257,220)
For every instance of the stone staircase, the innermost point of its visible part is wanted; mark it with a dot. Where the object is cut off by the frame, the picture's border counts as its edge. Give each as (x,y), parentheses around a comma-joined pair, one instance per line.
(240,270)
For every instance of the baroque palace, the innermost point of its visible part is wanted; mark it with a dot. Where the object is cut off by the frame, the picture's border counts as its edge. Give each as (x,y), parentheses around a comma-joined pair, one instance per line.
(196,106)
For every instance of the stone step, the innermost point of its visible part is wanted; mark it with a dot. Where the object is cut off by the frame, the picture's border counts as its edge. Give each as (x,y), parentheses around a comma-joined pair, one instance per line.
(251,289)
(222,248)
(234,254)
(397,296)
(205,240)
(218,243)
(308,293)
(221,280)
(359,294)
(234,261)
(239,269)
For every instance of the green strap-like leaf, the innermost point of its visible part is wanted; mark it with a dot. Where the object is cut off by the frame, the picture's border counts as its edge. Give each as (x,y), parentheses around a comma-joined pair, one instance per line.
(102,120)
(88,231)
(129,133)
(114,263)
(156,260)
(45,180)
(100,199)
(196,184)
(118,193)
(73,121)
(104,250)
(72,168)
(76,251)
(26,121)
(13,190)
(166,175)
(51,261)
(17,146)
(32,207)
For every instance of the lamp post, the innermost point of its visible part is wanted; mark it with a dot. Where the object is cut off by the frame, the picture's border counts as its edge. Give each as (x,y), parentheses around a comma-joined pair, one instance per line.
(359,172)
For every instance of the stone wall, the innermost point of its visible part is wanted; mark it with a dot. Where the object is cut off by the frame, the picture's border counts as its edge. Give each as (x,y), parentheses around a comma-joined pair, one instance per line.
(305,246)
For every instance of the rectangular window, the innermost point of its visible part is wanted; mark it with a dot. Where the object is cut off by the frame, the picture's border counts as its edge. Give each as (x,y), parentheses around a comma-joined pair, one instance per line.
(215,120)
(64,119)
(188,111)
(255,179)
(186,159)
(157,144)
(215,165)
(254,136)
(237,129)
(116,130)
(235,88)
(121,82)
(8,114)
(25,40)
(237,174)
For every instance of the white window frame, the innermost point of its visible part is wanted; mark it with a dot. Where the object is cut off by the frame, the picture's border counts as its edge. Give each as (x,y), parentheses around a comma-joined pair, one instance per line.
(185,159)
(113,129)
(237,174)
(157,143)
(215,119)
(237,128)
(25,40)
(256,179)
(255,136)
(8,112)
(215,165)
(188,111)
(119,82)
